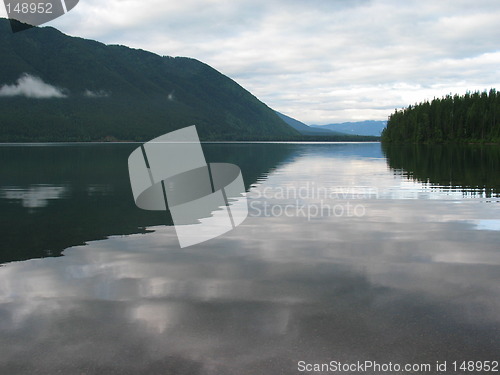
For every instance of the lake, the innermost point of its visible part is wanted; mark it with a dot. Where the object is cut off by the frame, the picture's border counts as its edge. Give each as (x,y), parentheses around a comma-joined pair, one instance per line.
(350,252)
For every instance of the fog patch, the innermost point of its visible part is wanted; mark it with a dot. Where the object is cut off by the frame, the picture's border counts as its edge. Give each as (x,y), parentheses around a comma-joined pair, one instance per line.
(31,87)
(96,94)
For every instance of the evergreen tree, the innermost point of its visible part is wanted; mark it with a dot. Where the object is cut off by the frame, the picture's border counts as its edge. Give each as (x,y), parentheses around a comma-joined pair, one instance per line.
(473,117)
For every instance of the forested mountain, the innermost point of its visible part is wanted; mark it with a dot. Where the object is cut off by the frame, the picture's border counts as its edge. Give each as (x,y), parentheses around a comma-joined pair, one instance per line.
(473,117)
(54,87)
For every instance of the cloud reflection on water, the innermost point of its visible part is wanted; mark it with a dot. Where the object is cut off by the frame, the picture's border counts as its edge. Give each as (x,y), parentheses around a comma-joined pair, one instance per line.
(412,280)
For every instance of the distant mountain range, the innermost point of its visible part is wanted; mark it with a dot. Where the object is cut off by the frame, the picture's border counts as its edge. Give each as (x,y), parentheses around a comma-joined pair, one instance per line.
(371,127)
(306,129)
(54,87)
(364,128)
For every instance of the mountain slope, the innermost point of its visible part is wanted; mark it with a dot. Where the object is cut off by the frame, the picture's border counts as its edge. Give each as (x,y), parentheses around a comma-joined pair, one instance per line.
(372,128)
(116,92)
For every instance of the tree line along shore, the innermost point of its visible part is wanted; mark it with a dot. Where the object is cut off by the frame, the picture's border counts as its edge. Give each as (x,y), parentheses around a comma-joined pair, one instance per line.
(470,118)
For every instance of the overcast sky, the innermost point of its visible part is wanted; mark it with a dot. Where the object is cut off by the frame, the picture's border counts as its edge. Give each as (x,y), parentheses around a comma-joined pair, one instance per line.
(320,61)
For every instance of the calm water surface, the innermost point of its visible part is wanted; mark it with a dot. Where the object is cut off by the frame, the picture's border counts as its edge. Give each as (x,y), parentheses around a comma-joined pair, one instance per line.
(350,253)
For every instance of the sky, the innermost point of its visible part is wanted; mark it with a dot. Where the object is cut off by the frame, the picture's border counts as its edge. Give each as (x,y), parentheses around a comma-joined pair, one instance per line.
(319,61)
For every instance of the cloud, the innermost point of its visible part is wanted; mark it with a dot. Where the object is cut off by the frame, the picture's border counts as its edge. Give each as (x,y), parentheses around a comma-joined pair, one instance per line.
(319,61)
(31,87)
(96,94)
